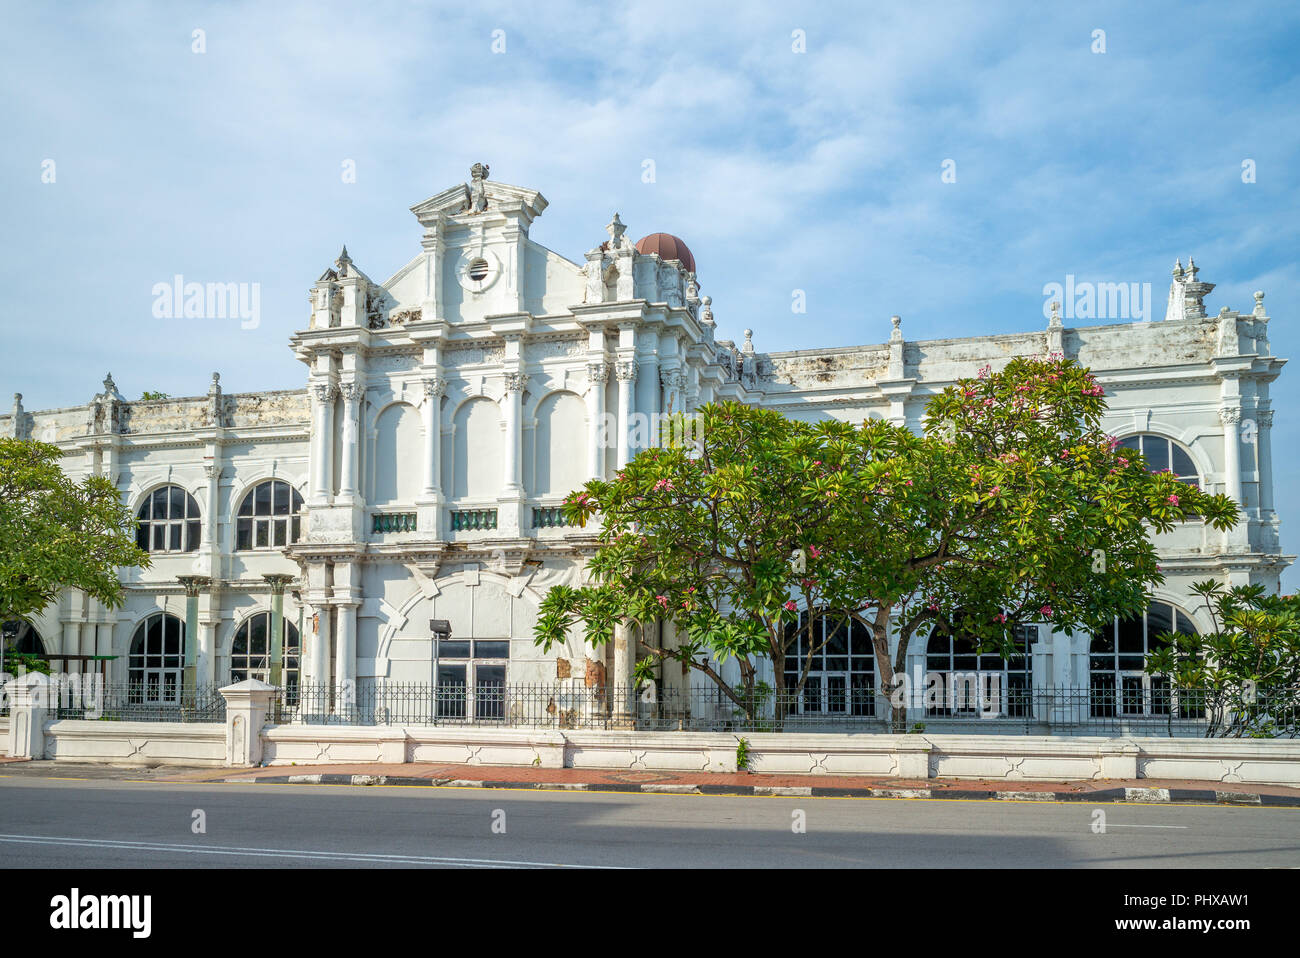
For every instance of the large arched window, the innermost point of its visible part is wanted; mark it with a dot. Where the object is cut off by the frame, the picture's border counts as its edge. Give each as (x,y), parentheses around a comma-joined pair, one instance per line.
(268,517)
(168,521)
(842,679)
(971,683)
(1164,454)
(1118,685)
(157,660)
(250,651)
(21,638)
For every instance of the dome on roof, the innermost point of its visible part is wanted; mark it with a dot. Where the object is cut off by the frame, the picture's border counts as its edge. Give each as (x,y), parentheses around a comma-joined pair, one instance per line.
(668,247)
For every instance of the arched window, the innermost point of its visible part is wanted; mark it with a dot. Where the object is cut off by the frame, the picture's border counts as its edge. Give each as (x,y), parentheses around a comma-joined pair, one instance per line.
(168,521)
(269,516)
(1164,454)
(842,679)
(157,660)
(1118,685)
(250,651)
(970,682)
(22,638)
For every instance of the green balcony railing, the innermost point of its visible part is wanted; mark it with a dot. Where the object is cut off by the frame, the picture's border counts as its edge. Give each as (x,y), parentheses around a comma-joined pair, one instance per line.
(473,519)
(550,517)
(393,522)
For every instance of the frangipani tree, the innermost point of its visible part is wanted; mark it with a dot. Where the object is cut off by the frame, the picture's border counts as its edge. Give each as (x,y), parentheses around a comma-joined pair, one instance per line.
(1015,506)
(1244,674)
(702,534)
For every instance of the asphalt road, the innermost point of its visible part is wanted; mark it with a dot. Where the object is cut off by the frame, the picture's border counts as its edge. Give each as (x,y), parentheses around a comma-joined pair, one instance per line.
(53,823)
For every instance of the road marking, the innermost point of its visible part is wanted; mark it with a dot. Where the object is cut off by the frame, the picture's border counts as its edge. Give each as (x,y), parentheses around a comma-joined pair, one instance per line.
(1113,825)
(311,854)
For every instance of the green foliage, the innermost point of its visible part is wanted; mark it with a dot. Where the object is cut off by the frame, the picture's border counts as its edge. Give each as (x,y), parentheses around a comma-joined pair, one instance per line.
(20,663)
(1014,506)
(1245,673)
(742,755)
(58,533)
(150,394)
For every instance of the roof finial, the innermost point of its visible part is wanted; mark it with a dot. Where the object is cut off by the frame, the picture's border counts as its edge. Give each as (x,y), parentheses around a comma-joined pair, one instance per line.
(748,347)
(616,229)
(1055,318)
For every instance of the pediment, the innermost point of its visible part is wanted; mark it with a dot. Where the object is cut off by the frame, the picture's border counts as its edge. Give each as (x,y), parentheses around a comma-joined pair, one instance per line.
(501,197)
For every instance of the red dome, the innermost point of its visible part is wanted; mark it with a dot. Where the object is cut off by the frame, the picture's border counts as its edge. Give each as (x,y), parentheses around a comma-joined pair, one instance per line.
(668,247)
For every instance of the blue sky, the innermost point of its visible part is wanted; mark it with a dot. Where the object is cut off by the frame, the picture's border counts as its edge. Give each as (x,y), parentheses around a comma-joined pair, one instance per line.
(817,171)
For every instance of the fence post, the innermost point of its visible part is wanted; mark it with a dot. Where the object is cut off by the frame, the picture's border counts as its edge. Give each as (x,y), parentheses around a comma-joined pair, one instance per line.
(29,698)
(247,705)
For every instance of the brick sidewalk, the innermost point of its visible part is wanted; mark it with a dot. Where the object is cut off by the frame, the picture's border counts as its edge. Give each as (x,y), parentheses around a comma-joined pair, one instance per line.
(748,783)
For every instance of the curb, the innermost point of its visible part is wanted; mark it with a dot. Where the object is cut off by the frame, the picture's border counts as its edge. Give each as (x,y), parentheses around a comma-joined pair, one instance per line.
(1143,796)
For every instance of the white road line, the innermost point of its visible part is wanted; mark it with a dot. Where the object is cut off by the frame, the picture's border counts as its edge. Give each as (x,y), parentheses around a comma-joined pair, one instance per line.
(1113,825)
(312,854)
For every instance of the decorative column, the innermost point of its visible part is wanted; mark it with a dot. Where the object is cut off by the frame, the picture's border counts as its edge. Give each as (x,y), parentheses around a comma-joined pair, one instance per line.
(434,388)
(277,581)
(515,383)
(1230,416)
(209,535)
(621,682)
(322,442)
(626,378)
(597,435)
(193,585)
(1264,465)
(345,658)
(352,393)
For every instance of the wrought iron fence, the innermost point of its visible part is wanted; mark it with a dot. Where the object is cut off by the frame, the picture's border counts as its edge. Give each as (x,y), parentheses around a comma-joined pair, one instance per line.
(573,705)
(134,703)
(1099,711)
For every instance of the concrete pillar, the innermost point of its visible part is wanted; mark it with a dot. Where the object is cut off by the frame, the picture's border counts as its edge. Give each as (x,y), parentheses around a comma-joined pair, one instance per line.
(248,703)
(434,388)
(626,379)
(29,704)
(515,383)
(193,584)
(620,683)
(348,475)
(1231,418)
(597,377)
(322,443)
(277,582)
(1264,466)
(345,661)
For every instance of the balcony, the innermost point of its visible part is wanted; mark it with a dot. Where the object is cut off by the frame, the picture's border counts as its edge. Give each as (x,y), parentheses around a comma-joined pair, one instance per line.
(473,520)
(550,517)
(393,522)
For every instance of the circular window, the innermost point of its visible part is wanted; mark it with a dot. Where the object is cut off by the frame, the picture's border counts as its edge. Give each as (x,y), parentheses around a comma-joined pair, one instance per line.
(478,270)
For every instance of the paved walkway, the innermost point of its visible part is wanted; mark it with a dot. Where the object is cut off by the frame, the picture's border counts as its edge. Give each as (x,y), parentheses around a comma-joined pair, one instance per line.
(748,783)
(718,783)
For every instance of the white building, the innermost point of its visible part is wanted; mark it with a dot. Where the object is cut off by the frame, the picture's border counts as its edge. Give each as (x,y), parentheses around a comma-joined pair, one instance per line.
(449,409)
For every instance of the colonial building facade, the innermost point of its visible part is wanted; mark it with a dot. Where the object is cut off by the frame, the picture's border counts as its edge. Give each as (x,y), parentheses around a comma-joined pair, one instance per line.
(449,410)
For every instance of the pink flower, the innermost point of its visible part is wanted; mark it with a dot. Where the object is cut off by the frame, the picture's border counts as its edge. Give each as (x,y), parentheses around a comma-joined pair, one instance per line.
(663,484)
(662,600)
(790,606)
(814,552)
(817,462)
(995,490)
(999,617)
(1045,610)
(1173,500)
(908,483)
